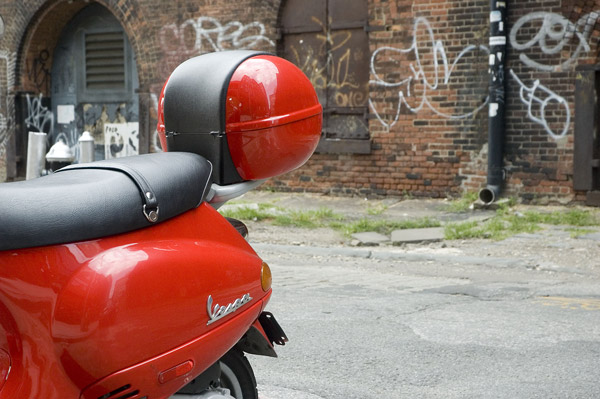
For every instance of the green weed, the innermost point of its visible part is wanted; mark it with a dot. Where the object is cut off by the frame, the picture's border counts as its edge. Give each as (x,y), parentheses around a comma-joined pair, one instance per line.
(507,223)
(264,211)
(462,204)
(306,219)
(376,210)
(578,231)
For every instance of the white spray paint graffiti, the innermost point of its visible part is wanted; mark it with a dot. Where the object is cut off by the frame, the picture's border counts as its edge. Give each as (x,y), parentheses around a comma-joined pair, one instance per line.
(552,37)
(39,117)
(155,139)
(70,138)
(206,34)
(419,75)
(7,61)
(544,97)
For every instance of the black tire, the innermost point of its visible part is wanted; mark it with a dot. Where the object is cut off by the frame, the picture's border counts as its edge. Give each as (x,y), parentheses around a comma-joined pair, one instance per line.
(237,375)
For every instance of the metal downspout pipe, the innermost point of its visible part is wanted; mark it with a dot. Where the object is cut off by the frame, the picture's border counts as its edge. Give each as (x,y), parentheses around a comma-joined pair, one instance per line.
(496,107)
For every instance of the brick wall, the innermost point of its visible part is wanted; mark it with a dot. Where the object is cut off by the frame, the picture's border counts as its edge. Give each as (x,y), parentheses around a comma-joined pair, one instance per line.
(423,141)
(427,91)
(437,145)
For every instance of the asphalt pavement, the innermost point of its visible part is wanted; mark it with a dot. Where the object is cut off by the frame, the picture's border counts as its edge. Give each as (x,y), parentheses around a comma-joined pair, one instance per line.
(472,318)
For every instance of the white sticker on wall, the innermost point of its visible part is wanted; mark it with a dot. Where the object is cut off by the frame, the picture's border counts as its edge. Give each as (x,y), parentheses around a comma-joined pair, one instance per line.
(493,109)
(492,59)
(65,114)
(498,41)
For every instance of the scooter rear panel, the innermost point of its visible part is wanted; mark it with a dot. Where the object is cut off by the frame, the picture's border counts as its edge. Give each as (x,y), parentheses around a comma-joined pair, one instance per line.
(74,314)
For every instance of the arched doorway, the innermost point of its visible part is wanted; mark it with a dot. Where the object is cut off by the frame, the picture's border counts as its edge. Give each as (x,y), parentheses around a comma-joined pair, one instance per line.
(76,71)
(94,79)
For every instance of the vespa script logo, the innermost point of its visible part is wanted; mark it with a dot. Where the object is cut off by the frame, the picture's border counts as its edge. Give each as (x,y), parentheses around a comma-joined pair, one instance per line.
(218,312)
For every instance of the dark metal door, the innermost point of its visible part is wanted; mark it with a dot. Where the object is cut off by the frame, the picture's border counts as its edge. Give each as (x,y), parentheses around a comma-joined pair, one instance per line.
(329,42)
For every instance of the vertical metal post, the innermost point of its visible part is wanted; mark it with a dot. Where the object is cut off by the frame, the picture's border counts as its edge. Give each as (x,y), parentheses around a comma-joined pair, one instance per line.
(36,152)
(496,125)
(86,147)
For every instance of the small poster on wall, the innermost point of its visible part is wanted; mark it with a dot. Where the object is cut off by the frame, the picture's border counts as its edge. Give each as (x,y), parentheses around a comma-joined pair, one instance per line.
(65,114)
(121,139)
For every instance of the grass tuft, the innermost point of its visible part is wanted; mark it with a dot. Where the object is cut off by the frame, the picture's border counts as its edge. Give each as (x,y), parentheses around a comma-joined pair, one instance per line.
(507,223)
(307,219)
(462,204)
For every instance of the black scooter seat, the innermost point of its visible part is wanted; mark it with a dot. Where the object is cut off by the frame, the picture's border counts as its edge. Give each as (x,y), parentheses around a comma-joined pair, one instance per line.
(99,199)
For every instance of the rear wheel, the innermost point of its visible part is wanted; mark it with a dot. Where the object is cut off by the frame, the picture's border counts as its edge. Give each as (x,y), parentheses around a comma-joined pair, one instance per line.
(235,379)
(237,375)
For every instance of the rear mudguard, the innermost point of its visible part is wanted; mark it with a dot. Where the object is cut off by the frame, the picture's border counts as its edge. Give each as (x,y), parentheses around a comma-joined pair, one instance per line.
(77,314)
(259,339)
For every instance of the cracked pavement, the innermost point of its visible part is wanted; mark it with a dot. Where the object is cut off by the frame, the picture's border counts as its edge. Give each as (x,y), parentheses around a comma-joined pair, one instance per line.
(373,327)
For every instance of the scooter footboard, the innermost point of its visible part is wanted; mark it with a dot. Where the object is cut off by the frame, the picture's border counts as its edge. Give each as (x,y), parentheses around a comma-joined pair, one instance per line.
(165,374)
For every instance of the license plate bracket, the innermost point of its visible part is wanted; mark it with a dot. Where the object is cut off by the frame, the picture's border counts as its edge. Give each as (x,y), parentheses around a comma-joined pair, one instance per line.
(272,328)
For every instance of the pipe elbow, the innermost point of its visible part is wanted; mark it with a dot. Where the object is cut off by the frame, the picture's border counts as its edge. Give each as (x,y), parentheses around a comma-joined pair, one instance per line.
(489,194)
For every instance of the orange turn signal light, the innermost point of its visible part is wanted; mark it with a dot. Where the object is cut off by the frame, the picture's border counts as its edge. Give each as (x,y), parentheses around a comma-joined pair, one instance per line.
(266,277)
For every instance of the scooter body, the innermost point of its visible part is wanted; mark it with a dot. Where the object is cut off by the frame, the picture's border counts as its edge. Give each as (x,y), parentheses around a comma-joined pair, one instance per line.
(119,279)
(131,310)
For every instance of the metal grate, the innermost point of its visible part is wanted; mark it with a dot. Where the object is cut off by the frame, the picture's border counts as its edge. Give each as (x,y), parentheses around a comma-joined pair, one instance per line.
(104,61)
(124,392)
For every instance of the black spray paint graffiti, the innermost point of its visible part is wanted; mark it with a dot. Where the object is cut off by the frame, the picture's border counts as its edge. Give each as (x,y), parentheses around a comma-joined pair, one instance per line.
(39,73)
(121,139)
(439,73)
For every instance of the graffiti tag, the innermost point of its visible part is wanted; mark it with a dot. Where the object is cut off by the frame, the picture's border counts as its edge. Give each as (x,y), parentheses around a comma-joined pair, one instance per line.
(419,83)
(554,33)
(206,34)
(39,117)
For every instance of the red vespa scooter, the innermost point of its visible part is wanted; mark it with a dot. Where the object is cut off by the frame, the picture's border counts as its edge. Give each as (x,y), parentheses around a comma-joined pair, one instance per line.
(120,280)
